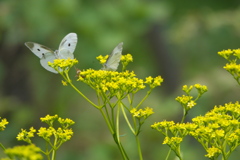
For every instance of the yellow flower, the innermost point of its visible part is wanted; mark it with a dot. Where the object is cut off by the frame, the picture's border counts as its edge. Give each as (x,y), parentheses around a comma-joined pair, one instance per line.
(237,53)
(145,113)
(213,151)
(64,83)
(149,80)
(191,104)
(3,124)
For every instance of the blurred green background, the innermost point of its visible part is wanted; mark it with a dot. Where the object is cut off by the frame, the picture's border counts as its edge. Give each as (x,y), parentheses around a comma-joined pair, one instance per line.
(178,40)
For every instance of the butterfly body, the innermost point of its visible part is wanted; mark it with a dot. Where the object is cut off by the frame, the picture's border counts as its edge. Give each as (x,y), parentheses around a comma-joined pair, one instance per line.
(114,58)
(65,50)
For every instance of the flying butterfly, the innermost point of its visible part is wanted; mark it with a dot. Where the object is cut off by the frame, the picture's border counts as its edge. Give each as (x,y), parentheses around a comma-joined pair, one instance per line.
(65,50)
(114,58)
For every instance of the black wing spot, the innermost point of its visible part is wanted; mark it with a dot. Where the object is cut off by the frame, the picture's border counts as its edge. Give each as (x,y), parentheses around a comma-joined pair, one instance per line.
(69,44)
(38,49)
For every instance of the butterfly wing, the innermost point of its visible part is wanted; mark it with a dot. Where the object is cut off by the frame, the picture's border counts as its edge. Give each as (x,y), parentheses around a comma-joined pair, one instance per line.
(114,58)
(48,57)
(44,53)
(67,46)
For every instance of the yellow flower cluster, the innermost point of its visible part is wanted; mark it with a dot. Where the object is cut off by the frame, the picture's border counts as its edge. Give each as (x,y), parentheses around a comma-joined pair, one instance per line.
(65,123)
(61,65)
(127,58)
(49,119)
(46,133)
(201,88)
(25,135)
(61,134)
(228,53)
(186,100)
(232,56)
(213,152)
(173,141)
(145,113)
(116,83)
(3,123)
(164,124)
(154,82)
(175,129)
(24,152)
(124,59)
(102,59)
(233,69)
(216,129)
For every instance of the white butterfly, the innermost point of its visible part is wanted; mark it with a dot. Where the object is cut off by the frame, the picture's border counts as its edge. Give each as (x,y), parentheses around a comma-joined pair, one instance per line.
(65,50)
(114,58)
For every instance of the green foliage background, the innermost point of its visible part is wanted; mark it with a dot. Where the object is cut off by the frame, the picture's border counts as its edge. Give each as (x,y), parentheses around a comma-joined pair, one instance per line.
(178,40)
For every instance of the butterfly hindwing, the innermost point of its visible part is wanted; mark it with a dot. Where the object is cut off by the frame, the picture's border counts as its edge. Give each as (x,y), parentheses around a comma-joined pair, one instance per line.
(114,58)
(48,58)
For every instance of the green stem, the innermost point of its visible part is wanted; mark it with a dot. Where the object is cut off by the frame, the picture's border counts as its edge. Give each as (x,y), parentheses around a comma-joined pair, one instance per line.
(115,133)
(93,104)
(107,121)
(66,77)
(169,152)
(184,115)
(139,147)
(148,93)
(117,123)
(134,132)
(54,147)
(128,123)
(114,129)
(122,151)
(2,146)
(118,135)
(53,154)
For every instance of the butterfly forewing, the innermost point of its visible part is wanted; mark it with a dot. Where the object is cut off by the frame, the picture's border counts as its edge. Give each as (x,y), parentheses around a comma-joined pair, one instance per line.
(114,58)
(38,49)
(67,46)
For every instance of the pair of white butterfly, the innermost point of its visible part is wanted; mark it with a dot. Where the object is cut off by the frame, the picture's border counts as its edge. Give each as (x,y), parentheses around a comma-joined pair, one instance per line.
(66,49)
